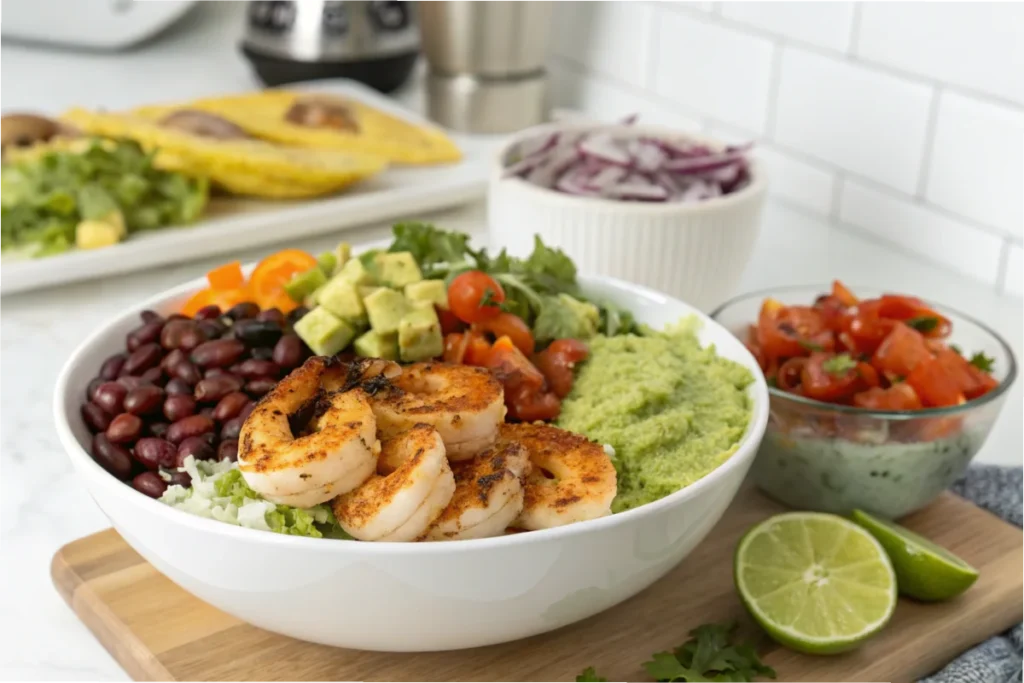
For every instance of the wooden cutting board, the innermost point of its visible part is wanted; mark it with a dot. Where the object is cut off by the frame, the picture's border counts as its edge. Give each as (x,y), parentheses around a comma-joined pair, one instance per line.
(157,631)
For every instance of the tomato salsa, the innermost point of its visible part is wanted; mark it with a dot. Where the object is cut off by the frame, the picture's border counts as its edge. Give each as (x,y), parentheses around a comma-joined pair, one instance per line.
(888,353)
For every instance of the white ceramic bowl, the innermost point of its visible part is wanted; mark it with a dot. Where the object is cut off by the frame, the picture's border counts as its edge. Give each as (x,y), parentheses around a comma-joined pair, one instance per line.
(695,251)
(413,596)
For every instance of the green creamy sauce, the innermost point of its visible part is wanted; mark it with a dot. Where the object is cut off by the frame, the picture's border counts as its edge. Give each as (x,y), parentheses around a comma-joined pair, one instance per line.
(673,411)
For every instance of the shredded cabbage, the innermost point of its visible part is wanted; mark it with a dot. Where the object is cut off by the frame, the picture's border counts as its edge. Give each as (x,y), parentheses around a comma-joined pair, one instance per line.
(219,492)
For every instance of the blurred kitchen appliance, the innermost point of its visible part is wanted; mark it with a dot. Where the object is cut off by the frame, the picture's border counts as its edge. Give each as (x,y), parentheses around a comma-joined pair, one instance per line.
(375,43)
(95,24)
(486,63)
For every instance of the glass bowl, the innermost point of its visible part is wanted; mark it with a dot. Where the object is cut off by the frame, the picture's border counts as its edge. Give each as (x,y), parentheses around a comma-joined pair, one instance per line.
(834,458)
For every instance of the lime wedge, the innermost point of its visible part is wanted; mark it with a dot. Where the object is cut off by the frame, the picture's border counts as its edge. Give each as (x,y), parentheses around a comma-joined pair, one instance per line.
(815,582)
(924,570)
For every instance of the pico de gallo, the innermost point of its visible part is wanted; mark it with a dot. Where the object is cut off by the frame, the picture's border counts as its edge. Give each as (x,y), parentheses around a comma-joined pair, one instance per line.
(887,353)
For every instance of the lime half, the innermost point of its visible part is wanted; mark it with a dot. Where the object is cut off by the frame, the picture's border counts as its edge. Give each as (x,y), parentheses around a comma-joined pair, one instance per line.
(924,570)
(817,583)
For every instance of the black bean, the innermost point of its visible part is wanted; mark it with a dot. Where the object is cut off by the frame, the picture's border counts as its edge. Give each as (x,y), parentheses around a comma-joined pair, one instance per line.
(179,406)
(217,353)
(257,332)
(231,429)
(228,450)
(243,310)
(177,386)
(150,316)
(198,447)
(261,353)
(209,312)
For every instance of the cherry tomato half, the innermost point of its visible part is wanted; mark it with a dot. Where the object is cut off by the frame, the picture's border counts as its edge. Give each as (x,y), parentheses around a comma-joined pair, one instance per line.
(511,326)
(788,376)
(897,397)
(787,331)
(557,363)
(528,406)
(834,384)
(474,296)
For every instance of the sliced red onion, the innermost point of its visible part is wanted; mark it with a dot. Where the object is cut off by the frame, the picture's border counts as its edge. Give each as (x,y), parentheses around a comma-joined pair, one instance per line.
(613,165)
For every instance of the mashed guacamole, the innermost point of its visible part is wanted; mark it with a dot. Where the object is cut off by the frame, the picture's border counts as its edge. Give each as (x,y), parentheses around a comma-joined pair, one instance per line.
(673,411)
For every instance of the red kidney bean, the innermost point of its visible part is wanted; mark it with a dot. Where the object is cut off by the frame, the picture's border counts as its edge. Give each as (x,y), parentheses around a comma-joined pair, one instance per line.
(148,316)
(143,400)
(273,315)
(154,376)
(150,484)
(228,450)
(296,314)
(288,351)
(212,328)
(258,368)
(219,372)
(143,358)
(196,446)
(207,411)
(110,397)
(230,406)
(243,415)
(174,357)
(157,429)
(208,312)
(111,457)
(178,386)
(124,428)
(180,479)
(231,429)
(182,334)
(178,406)
(154,453)
(90,390)
(192,338)
(257,332)
(246,309)
(213,389)
(260,385)
(177,316)
(187,372)
(144,334)
(193,425)
(218,353)
(112,366)
(129,382)
(97,420)
(262,353)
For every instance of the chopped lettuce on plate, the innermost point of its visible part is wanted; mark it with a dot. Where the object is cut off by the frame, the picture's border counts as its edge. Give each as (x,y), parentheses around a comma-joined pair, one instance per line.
(219,492)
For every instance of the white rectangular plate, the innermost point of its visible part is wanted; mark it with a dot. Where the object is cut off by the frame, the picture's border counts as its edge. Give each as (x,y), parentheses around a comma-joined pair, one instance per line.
(236,223)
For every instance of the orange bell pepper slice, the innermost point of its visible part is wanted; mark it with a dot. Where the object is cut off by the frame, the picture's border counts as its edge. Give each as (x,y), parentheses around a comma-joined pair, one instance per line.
(269,278)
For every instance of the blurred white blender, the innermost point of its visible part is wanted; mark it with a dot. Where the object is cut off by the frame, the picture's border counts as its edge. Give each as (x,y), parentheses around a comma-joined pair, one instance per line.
(486,63)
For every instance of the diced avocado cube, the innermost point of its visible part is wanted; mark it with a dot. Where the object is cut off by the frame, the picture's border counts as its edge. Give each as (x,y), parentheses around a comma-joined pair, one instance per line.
(305,283)
(373,344)
(367,290)
(327,262)
(340,297)
(432,291)
(398,269)
(355,272)
(419,334)
(323,332)
(96,234)
(342,253)
(385,309)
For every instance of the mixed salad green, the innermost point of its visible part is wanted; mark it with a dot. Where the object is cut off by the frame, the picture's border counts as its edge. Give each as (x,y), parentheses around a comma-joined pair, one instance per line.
(89,196)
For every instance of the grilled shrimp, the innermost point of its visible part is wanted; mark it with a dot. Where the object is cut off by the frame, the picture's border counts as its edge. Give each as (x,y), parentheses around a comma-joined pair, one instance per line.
(337,452)
(488,494)
(572,480)
(464,404)
(401,505)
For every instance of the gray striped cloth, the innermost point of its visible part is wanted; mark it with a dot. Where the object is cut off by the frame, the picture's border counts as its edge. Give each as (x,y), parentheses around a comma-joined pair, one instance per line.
(998,659)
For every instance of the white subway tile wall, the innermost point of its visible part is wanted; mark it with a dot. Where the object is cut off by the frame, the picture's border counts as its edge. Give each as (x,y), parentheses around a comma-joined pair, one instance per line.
(903,121)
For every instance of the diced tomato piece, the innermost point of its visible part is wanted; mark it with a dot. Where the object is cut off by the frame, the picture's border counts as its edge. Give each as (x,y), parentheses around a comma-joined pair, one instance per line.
(897,397)
(865,327)
(983,383)
(477,350)
(832,310)
(466,348)
(825,379)
(868,373)
(901,351)
(511,326)
(455,347)
(449,321)
(972,381)
(788,376)
(934,384)
(845,342)
(788,331)
(529,406)
(843,294)
(572,350)
(910,308)
(513,368)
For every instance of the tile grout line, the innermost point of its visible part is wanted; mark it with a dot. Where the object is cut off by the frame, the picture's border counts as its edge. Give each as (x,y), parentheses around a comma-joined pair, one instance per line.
(851,48)
(775,78)
(843,57)
(1003,267)
(837,196)
(929,145)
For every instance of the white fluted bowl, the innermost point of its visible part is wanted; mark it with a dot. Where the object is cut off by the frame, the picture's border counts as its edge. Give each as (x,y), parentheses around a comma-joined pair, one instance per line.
(411,597)
(693,251)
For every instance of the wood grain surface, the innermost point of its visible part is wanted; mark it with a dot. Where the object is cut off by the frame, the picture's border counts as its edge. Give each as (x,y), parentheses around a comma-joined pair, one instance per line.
(157,631)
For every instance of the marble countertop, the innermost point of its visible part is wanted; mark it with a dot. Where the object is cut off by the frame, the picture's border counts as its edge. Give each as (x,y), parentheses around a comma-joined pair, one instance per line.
(43,506)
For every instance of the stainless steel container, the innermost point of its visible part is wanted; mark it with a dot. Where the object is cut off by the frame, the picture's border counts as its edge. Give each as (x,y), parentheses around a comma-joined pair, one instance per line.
(486,63)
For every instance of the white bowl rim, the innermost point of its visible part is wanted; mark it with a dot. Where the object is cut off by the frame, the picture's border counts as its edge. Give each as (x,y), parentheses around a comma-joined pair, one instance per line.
(757,186)
(84,463)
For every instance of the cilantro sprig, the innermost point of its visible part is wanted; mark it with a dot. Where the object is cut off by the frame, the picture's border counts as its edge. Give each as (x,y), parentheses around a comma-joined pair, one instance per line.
(839,365)
(709,655)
